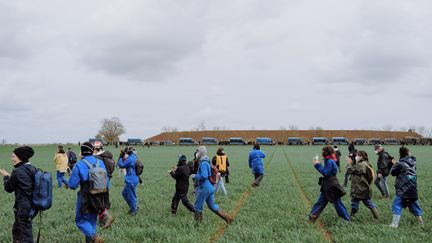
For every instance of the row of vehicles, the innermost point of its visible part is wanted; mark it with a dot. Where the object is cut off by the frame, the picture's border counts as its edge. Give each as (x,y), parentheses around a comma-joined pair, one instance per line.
(269,141)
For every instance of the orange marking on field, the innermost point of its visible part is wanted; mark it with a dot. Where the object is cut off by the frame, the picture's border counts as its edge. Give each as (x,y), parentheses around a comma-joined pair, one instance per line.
(326,233)
(240,203)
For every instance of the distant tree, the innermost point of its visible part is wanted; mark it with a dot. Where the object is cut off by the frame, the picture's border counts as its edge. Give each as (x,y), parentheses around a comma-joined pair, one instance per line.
(421,130)
(201,126)
(283,128)
(3,141)
(111,129)
(169,129)
(98,135)
(293,127)
(318,128)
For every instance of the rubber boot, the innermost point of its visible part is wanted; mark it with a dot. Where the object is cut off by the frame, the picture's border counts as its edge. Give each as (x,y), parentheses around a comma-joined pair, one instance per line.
(105,219)
(395,222)
(224,216)
(353,211)
(375,213)
(420,220)
(198,217)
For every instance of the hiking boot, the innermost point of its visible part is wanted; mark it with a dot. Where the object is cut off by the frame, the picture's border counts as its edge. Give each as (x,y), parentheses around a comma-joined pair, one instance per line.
(353,211)
(133,213)
(312,218)
(395,222)
(225,216)
(174,209)
(420,220)
(105,219)
(375,213)
(95,239)
(198,217)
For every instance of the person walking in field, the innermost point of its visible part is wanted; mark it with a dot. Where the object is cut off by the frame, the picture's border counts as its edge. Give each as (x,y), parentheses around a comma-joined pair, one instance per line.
(338,155)
(220,160)
(181,174)
(21,183)
(361,179)
(89,205)
(352,154)
(61,163)
(206,189)
(128,161)
(72,159)
(383,170)
(256,157)
(331,191)
(406,188)
(105,218)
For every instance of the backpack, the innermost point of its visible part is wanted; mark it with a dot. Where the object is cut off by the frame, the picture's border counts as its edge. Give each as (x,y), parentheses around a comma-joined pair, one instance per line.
(214,172)
(221,162)
(72,156)
(42,190)
(98,182)
(370,174)
(109,162)
(389,162)
(139,167)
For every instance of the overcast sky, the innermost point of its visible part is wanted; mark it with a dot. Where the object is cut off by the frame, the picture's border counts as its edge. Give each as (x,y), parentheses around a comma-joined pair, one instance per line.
(66,65)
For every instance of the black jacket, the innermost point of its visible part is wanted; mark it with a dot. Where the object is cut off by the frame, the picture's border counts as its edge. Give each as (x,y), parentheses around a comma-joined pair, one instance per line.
(382,163)
(331,189)
(406,178)
(21,181)
(181,175)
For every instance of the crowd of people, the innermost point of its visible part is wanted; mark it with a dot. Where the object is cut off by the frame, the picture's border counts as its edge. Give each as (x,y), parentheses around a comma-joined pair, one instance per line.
(92,171)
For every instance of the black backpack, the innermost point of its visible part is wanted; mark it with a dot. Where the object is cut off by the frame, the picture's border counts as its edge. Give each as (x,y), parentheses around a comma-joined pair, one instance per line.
(139,167)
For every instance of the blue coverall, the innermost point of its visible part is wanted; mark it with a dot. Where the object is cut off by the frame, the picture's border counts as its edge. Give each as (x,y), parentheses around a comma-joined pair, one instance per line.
(131,181)
(205,187)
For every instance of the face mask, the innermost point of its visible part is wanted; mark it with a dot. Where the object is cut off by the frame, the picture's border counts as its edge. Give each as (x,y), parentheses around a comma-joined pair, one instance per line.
(376,151)
(358,158)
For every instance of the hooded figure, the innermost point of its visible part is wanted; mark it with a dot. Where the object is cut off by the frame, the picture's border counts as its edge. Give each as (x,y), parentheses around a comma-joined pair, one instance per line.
(255,160)
(181,174)
(406,188)
(86,212)
(20,181)
(205,188)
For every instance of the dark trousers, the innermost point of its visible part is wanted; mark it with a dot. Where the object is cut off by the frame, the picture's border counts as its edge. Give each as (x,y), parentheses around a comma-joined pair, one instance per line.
(185,200)
(258,179)
(22,228)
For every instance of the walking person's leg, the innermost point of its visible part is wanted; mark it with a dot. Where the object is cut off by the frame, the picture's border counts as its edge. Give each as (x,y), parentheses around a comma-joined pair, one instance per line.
(341,210)
(222,185)
(174,203)
(185,200)
(385,187)
(317,208)
(379,186)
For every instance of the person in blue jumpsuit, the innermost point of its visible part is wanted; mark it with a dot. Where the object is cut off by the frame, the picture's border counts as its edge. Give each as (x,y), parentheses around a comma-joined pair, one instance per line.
(127,161)
(331,190)
(256,157)
(85,215)
(206,188)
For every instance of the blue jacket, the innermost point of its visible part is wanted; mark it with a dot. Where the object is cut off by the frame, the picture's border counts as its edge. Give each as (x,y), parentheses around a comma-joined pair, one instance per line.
(203,174)
(256,158)
(80,172)
(330,168)
(129,164)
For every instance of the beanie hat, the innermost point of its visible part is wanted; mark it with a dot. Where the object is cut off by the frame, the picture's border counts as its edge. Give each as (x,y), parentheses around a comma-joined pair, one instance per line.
(24,153)
(182,158)
(201,152)
(87,148)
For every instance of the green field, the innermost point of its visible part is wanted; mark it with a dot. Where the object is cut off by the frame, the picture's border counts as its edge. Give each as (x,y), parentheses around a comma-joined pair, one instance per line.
(274,212)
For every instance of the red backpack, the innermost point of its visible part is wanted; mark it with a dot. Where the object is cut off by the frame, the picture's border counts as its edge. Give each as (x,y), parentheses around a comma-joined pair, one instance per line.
(214,172)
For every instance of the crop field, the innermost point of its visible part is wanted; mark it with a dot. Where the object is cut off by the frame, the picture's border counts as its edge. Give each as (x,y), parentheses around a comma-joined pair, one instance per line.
(274,212)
